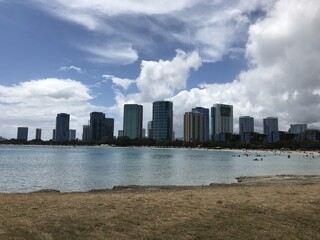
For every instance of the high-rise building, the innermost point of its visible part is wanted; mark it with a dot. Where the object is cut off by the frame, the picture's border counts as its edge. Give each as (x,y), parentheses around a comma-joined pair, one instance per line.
(270,124)
(38,134)
(109,132)
(72,134)
(53,134)
(132,121)
(162,117)
(205,112)
(100,126)
(62,127)
(298,128)
(22,133)
(150,129)
(193,127)
(221,120)
(97,125)
(120,133)
(246,124)
(86,133)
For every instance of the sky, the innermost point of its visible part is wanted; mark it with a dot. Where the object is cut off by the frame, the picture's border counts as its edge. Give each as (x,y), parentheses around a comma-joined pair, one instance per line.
(79,56)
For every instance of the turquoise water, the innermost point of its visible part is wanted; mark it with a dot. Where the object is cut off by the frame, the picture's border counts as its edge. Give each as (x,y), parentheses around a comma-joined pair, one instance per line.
(30,168)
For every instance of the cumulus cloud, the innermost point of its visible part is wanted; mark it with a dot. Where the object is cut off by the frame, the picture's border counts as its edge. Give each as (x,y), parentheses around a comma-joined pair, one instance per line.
(125,83)
(283,80)
(71,68)
(37,102)
(112,53)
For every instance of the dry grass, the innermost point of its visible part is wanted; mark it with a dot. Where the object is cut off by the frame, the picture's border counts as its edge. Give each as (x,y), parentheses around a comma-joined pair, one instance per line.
(240,212)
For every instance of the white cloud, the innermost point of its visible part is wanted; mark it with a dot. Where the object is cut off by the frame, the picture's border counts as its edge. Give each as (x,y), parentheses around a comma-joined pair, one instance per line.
(112,53)
(36,103)
(125,83)
(74,68)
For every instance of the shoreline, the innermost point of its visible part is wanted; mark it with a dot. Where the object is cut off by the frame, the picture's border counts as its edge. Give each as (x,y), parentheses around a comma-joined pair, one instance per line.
(266,180)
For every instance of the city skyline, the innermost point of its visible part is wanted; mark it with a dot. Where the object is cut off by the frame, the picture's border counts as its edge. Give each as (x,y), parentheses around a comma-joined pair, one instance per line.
(99,55)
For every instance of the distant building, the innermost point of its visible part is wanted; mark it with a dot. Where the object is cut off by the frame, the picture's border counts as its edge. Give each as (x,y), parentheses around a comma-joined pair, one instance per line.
(279,136)
(143,132)
(162,117)
(38,134)
(194,123)
(132,120)
(205,112)
(246,124)
(72,134)
(86,133)
(221,120)
(62,127)
(109,123)
(100,126)
(312,134)
(270,124)
(22,133)
(298,128)
(150,129)
(97,125)
(53,134)
(120,133)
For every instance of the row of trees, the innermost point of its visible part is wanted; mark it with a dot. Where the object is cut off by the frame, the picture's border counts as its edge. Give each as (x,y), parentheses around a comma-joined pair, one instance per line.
(126,142)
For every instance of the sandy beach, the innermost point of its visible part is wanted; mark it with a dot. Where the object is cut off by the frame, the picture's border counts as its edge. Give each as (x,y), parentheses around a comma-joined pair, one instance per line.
(287,207)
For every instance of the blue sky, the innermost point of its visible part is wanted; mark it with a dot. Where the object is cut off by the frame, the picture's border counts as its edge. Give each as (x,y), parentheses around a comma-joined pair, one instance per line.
(83,56)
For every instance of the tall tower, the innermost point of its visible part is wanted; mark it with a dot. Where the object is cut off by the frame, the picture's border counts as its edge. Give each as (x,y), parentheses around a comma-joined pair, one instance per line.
(22,133)
(205,112)
(38,134)
(97,125)
(270,124)
(193,127)
(62,127)
(221,120)
(246,124)
(162,117)
(132,121)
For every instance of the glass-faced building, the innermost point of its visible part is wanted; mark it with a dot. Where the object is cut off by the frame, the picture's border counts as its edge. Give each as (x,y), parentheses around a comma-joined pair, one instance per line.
(132,120)
(162,120)
(205,112)
(221,120)
(246,124)
(100,126)
(22,133)
(62,127)
(270,125)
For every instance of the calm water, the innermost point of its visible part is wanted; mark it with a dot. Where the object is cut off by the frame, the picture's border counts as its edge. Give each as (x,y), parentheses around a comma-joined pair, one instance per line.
(29,168)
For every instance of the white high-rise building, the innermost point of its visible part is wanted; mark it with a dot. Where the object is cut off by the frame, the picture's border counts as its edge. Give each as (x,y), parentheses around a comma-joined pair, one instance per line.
(221,120)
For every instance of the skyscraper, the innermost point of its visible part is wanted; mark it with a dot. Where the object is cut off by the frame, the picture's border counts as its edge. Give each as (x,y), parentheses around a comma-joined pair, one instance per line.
(109,128)
(62,127)
(38,134)
(100,126)
(72,134)
(150,129)
(270,124)
(132,121)
(221,120)
(298,128)
(97,125)
(246,124)
(193,127)
(22,133)
(86,133)
(205,112)
(162,117)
